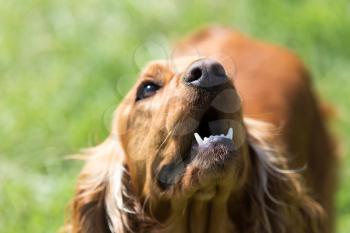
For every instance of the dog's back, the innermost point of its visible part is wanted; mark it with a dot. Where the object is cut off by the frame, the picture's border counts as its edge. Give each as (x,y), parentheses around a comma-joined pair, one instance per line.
(275,87)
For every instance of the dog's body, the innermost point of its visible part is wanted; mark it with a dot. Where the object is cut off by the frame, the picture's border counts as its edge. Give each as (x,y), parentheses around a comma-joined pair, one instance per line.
(275,87)
(150,175)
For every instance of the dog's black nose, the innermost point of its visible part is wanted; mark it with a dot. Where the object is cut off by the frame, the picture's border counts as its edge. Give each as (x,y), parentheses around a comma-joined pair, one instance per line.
(206,73)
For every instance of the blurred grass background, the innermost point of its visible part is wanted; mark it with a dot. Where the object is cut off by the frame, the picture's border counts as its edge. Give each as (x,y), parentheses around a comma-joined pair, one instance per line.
(65,65)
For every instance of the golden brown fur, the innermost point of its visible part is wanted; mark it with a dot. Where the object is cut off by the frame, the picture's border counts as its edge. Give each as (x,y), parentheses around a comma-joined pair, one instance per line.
(278,130)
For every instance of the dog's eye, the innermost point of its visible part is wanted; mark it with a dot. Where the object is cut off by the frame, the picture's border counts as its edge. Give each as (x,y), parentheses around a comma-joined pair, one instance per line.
(146,90)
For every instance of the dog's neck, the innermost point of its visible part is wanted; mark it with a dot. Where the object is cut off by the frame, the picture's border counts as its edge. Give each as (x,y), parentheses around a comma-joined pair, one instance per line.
(195,216)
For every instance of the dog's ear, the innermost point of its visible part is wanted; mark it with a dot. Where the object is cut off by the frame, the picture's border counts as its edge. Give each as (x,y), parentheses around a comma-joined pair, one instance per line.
(278,193)
(98,205)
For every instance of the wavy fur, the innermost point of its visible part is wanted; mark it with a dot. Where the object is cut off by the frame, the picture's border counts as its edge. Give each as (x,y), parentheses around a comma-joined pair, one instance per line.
(276,197)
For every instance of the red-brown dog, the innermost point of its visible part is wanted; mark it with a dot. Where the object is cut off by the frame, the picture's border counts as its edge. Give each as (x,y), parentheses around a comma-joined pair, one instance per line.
(213,143)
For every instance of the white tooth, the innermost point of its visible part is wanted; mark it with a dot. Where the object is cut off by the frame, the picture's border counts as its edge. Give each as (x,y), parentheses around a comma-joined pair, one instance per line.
(205,139)
(198,139)
(221,135)
(229,134)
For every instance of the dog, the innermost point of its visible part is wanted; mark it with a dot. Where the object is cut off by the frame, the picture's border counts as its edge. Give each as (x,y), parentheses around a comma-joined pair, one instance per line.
(226,136)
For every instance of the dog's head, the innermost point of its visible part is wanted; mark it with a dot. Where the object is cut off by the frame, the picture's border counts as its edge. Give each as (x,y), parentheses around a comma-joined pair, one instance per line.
(181,130)
(178,137)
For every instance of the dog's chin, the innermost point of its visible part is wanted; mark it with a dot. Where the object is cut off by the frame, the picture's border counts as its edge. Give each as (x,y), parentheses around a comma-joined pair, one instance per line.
(204,168)
(212,156)
(210,163)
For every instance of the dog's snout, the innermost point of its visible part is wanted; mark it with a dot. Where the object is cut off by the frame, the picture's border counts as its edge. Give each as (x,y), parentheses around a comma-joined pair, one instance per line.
(206,73)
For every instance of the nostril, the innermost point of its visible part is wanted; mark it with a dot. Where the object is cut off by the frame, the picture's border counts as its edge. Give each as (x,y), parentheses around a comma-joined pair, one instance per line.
(195,74)
(217,69)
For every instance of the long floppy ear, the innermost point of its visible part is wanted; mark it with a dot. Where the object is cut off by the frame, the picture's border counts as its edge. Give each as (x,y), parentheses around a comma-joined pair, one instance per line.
(101,203)
(279,196)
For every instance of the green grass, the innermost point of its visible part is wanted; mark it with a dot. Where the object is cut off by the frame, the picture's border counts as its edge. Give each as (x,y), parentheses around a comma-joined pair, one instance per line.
(65,64)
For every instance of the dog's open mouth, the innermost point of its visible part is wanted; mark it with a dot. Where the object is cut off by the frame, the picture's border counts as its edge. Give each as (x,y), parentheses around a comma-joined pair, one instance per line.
(211,150)
(213,144)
